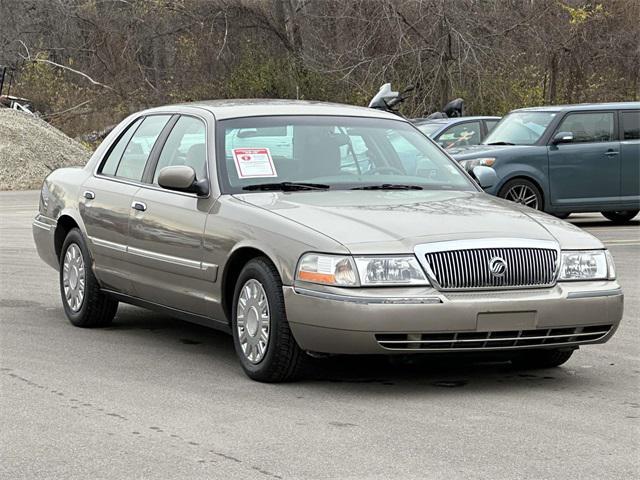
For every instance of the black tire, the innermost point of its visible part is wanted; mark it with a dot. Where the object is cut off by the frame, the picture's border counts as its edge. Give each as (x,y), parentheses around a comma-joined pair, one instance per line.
(283,359)
(622,216)
(96,309)
(562,216)
(534,359)
(513,186)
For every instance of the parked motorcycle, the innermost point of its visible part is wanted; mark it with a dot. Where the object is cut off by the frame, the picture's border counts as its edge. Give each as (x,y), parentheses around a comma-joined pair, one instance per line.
(389,101)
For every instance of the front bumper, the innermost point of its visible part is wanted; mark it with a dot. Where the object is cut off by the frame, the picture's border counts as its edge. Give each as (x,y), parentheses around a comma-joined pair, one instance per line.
(370,321)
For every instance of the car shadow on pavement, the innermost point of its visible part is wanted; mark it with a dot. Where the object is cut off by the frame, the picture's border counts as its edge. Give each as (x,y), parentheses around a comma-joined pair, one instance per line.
(444,372)
(602,223)
(173,333)
(348,373)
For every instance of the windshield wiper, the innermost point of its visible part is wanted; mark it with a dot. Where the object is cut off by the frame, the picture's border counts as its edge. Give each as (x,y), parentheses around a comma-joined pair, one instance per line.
(500,143)
(388,186)
(287,186)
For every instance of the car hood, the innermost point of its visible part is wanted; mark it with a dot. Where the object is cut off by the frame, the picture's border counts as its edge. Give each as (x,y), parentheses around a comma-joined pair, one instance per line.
(396,221)
(477,151)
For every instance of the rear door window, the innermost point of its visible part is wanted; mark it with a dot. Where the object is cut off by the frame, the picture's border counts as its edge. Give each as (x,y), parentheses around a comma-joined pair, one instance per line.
(589,127)
(630,125)
(133,159)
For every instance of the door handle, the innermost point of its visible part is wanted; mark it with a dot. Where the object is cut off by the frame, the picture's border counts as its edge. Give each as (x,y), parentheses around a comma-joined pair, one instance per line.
(141,207)
(611,153)
(89,195)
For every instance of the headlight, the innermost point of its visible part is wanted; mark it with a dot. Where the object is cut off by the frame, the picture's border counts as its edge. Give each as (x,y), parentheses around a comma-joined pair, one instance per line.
(345,271)
(586,265)
(327,269)
(390,271)
(478,162)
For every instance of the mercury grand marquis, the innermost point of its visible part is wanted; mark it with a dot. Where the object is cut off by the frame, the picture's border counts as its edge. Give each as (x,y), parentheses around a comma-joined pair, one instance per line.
(298,228)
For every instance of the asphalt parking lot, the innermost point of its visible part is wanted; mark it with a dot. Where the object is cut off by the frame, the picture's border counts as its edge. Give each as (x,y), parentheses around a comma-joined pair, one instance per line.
(154,397)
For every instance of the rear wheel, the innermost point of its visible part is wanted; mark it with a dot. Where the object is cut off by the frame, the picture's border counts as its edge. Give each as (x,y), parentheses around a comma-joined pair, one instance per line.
(261,335)
(541,358)
(621,216)
(522,191)
(84,304)
(562,216)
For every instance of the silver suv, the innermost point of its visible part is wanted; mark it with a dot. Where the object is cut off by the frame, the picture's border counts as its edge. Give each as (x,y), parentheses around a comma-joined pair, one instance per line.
(297,228)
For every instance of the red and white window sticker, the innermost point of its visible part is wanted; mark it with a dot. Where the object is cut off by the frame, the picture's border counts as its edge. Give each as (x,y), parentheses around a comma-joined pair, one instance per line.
(254,162)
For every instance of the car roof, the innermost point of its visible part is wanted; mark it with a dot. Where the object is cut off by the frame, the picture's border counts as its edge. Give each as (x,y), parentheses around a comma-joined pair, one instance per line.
(582,107)
(447,121)
(257,107)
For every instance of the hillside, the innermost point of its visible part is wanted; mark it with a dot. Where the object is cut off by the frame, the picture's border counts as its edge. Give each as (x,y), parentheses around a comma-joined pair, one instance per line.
(30,148)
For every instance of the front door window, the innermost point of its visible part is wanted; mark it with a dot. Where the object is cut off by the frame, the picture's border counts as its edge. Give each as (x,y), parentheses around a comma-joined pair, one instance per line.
(589,127)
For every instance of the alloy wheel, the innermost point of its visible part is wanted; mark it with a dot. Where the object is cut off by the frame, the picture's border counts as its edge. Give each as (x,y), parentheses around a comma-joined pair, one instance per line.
(524,195)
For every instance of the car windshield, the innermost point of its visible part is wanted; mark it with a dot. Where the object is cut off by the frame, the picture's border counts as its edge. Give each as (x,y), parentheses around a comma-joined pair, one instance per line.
(520,128)
(429,128)
(328,152)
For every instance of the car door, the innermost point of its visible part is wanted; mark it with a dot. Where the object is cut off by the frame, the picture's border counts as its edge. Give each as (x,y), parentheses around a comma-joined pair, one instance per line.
(461,135)
(630,155)
(105,202)
(165,248)
(586,170)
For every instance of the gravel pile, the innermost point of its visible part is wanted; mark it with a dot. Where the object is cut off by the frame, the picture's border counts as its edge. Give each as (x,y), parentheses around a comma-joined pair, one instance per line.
(30,148)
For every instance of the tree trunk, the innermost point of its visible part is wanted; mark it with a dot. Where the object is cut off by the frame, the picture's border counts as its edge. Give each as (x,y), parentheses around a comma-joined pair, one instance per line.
(553,78)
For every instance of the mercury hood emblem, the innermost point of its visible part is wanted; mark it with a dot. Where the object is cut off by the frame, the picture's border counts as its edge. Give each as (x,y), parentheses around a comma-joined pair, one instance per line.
(497,266)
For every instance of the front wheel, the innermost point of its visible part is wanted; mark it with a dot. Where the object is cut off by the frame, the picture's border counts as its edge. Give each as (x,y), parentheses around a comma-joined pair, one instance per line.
(534,359)
(261,335)
(84,304)
(522,191)
(622,216)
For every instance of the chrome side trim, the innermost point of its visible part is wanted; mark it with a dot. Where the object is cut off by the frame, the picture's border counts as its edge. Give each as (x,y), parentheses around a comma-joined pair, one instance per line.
(118,247)
(369,300)
(161,257)
(211,269)
(595,293)
(42,225)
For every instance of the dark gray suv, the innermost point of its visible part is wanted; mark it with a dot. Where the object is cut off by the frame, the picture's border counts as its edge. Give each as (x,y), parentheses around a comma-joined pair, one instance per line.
(564,159)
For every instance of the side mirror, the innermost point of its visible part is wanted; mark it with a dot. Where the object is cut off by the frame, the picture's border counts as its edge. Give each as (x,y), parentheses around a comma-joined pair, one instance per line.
(485,176)
(562,137)
(182,178)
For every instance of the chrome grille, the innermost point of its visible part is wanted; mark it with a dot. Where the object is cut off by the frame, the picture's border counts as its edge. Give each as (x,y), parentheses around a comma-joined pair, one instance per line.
(506,264)
(492,340)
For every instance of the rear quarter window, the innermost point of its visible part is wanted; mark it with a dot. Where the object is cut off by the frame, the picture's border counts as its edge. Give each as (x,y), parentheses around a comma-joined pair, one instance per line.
(630,125)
